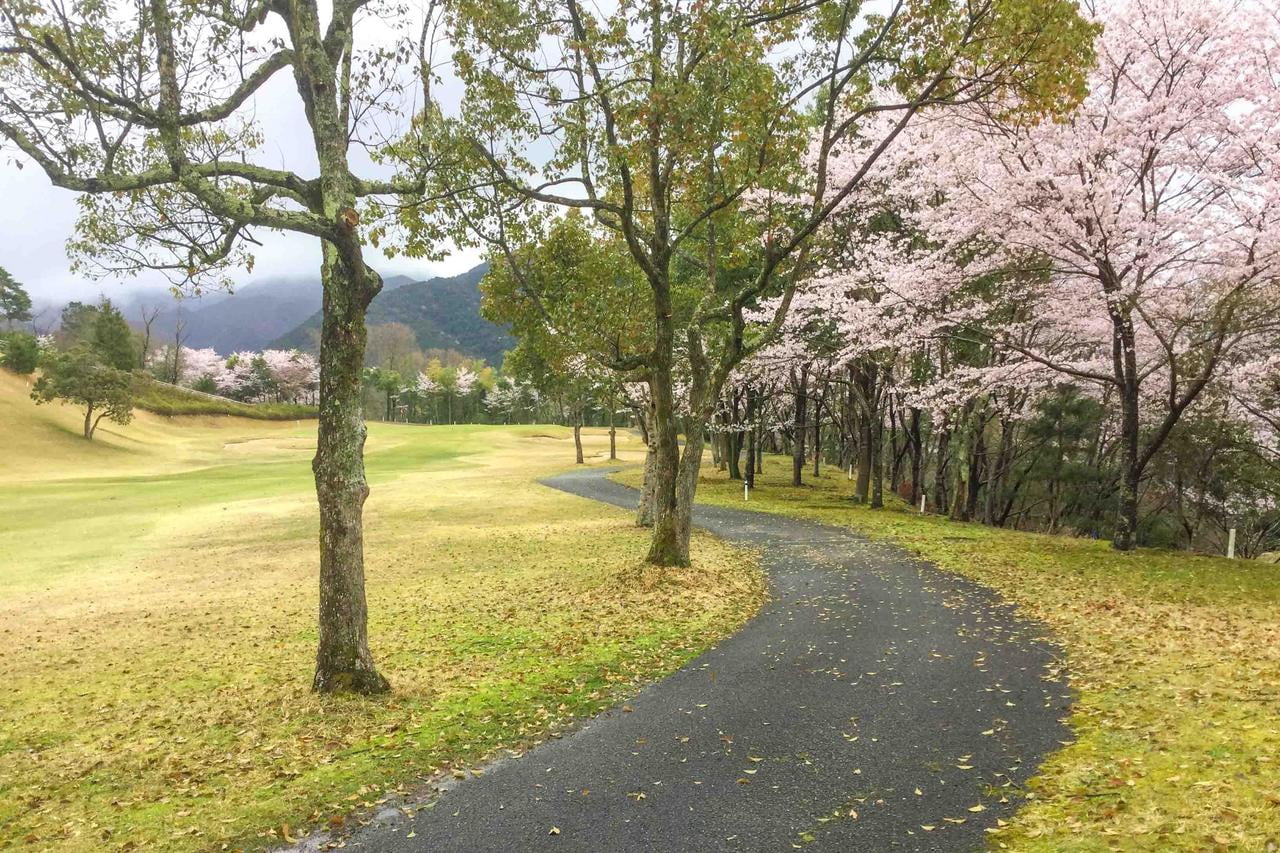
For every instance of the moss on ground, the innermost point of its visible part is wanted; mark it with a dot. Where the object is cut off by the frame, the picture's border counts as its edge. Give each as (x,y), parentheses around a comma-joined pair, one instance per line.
(1175,659)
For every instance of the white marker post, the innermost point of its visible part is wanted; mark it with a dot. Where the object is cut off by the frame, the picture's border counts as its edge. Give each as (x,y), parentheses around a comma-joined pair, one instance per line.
(746,491)
(1231,544)
(850,470)
(922,504)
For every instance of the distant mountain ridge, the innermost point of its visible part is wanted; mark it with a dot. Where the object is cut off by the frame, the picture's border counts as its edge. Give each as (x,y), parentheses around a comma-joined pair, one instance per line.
(443,312)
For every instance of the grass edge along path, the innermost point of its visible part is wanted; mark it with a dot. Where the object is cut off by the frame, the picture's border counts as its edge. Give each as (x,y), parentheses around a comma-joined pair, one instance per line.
(157,697)
(1174,658)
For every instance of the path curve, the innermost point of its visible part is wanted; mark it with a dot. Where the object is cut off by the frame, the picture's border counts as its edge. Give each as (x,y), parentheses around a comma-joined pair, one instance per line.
(871,682)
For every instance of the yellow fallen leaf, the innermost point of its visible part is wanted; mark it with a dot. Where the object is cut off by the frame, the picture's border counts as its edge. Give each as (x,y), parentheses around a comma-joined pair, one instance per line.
(978,808)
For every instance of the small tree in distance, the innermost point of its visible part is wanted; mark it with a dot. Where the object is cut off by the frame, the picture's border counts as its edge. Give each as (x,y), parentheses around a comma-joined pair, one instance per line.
(79,377)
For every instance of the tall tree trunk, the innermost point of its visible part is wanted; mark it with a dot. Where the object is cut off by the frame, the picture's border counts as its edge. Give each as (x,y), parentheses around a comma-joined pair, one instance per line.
(895,452)
(998,473)
(88,423)
(733,441)
(917,457)
(644,512)
(1126,369)
(977,471)
(877,464)
(687,485)
(577,439)
(941,463)
(866,384)
(751,439)
(613,432)
(343,660)
(817,433)
(1126,532)
(798,428)
(670,544)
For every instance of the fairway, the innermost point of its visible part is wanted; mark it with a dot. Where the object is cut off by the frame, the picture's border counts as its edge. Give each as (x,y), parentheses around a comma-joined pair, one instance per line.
(158,597)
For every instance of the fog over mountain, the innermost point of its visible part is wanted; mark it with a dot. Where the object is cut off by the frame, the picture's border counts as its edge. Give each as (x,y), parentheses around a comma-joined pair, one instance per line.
(284,312)
(249,318)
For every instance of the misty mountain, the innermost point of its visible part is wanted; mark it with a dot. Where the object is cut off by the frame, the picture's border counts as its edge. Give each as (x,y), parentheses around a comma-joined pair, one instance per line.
(444,313)
(249,318)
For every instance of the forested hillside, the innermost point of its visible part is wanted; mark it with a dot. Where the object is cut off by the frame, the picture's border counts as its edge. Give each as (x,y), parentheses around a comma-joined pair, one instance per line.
(444,314)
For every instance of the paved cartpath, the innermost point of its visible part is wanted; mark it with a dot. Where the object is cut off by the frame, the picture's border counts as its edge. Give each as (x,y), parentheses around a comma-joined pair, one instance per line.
(871,682)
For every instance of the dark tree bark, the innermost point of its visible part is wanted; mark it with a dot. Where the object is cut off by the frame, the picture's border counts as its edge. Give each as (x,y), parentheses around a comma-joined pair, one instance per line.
(941,464)
(644,512)
(865,383)
(877,464)
(1124,353)
(817,432)
(801,382)
(733,442)
(917,457)
(670,544)
(613,433)
(977,472)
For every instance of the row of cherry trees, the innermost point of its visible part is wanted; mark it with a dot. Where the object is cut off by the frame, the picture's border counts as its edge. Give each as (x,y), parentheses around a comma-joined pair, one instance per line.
(1061,324)
(281,376)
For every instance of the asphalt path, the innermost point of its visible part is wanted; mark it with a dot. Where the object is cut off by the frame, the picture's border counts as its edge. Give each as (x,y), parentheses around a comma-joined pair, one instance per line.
(874,703)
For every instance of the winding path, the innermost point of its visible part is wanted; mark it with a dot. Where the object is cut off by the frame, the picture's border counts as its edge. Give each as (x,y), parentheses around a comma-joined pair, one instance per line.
(871,683)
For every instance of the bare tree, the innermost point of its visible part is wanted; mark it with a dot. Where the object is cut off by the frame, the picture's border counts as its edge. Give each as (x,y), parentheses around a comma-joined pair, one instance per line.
(179,338)
(148,317)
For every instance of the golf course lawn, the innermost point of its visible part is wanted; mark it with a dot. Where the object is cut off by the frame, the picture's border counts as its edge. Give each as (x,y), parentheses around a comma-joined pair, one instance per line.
(1174,658)
(158,599)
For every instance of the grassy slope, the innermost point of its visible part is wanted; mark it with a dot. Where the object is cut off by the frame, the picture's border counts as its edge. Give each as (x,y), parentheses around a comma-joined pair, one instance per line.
(1176,660)
(162,399)
(157,601)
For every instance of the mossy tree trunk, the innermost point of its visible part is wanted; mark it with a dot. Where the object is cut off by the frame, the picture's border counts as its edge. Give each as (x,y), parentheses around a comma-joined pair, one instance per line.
(343,660)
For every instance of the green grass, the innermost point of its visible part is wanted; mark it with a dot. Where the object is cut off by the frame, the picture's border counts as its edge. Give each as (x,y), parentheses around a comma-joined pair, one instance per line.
(157,609)
(162,399)
(1175,659)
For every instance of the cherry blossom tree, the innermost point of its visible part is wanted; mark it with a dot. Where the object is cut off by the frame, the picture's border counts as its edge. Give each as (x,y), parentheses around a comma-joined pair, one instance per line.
(1138,237)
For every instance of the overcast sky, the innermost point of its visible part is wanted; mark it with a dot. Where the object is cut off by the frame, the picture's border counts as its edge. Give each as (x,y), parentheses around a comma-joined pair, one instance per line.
(36,219)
